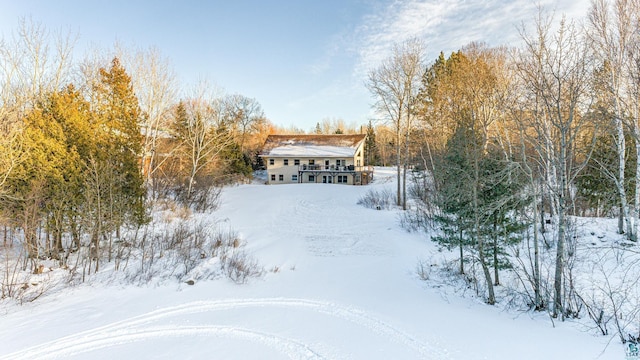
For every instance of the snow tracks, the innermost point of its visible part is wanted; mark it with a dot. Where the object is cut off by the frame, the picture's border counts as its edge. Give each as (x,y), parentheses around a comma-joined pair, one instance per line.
(169,323)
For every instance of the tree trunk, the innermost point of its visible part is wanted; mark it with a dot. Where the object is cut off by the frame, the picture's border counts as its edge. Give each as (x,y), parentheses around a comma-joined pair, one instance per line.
(636,204)
(536,264)
(542,225)
(557,284)
(461,253)
(398,164)
(620,218)
(406,159)
(404,187)
(496,278)
(622,192)
(491,299)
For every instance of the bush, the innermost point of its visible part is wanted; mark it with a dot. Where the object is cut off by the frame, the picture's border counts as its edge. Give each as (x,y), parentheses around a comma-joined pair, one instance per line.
(377,200)
(189,249)
(239,267)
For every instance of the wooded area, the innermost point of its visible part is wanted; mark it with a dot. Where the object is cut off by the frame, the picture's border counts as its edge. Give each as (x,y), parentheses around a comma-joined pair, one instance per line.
(493,146)
(89,149)
(505,145)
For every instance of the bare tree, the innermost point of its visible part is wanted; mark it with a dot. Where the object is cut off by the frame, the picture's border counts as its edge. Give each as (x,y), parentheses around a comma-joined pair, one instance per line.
(201,132)
(556,70)
(244,114)
(395,85)
(614,36)
(28,68)
(28,65)
(155,86)
(11,148)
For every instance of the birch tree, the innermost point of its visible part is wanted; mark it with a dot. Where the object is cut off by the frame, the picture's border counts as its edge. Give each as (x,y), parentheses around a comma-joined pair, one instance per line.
(201,135)
(555,69)
(155,84)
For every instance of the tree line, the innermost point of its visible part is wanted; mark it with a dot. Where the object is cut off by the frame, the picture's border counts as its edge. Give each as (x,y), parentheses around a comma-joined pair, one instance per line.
(88,148)
(495,146)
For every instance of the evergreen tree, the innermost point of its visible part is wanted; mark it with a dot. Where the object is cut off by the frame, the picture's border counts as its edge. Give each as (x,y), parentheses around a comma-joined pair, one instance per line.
(372,155)
(491,219)
(501,200)
(235,161)
(44,180)
(118,118)
(72,113)
(454,196)
(596,184)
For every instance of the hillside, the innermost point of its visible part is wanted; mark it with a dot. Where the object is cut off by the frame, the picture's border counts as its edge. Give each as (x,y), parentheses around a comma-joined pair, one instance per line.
(340,282)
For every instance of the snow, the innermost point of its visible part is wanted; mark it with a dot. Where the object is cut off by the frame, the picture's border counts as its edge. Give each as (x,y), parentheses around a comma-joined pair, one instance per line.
(312,150)
(340,283)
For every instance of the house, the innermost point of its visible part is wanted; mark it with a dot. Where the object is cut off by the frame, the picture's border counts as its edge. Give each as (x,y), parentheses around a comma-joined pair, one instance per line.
(332,159)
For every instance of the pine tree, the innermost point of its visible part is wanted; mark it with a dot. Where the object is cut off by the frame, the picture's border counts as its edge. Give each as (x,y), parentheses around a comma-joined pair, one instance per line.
(372,155)
(235,161)
(454,196)
(501,199)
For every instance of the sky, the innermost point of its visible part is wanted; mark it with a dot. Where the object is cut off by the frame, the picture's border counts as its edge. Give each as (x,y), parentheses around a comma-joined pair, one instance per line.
(304,61)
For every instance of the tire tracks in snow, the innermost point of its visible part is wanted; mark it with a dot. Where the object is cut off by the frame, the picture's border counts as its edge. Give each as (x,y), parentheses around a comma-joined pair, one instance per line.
(126,330)
(69,347)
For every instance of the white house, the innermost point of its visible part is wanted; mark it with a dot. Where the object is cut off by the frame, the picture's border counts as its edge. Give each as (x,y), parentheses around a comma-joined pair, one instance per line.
(332,159)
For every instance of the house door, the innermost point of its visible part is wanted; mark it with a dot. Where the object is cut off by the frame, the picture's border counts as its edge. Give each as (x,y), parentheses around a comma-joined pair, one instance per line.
(326,164)
(327,179)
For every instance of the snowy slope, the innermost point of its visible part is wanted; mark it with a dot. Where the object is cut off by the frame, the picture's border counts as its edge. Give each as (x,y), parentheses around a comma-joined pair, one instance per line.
(340,283)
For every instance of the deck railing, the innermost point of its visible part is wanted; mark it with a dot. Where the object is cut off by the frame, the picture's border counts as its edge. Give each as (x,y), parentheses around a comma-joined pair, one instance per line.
(335,168)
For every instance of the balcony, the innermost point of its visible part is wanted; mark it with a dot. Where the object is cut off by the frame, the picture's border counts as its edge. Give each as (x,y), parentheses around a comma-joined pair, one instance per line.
(335,168)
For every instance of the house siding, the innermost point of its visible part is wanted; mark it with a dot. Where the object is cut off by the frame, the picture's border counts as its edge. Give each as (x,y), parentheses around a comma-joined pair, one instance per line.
(343,170)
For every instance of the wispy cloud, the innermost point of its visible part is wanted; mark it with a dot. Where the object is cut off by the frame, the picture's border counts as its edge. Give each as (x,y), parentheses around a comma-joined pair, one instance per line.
(449,25)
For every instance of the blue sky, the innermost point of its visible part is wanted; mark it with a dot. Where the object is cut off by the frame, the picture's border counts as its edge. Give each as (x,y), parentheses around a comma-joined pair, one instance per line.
(303,60)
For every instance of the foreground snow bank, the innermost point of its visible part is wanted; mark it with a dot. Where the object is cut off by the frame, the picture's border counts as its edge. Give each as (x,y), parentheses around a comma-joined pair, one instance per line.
(340,283)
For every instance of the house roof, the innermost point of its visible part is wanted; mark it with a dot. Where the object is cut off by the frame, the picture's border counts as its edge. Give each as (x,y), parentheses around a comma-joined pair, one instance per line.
(312,145)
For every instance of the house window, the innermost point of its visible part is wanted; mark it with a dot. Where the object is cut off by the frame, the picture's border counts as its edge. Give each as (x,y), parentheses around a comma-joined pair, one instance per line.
(312,178)
(340,162)
(294,177)
(312,162)
(273,177)
(286,162)
(296,162)
(342,179)
(272,162)
(281,177)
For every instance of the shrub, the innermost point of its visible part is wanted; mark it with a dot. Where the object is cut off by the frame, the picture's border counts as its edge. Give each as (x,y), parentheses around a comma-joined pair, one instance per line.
(239,267)
(377,200)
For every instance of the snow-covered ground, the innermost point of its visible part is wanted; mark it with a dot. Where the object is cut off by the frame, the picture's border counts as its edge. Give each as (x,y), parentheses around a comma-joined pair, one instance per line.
(340,283)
